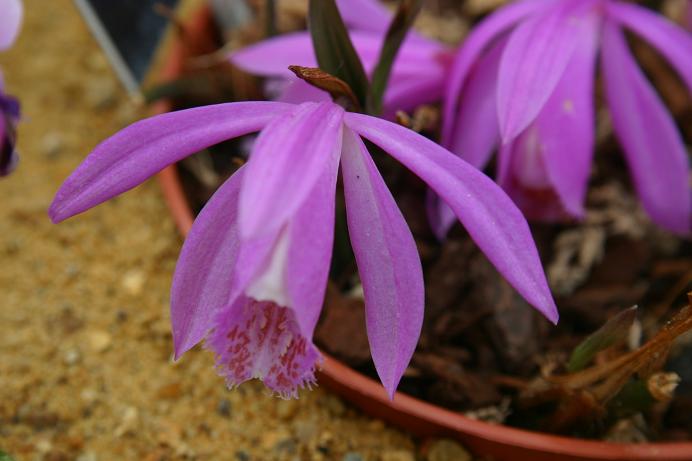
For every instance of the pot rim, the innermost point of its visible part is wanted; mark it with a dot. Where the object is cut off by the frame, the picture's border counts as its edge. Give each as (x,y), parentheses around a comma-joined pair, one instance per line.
(424,418)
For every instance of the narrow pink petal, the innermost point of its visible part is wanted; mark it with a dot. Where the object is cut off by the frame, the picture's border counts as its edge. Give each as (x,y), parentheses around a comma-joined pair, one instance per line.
(476,132)
(489,215)
(546,168)
(440,216)
(534,60)
(260,339)
(388,264)
(567,125)
(202,280)
(481,37)
(11,12)
(418,77)
(418,74)
(407,94)
(366,15)
(672,41)
(298,256)
(134,154)
(275,298)
(287,160)
(271,57)
(370,16)
(415,59)
(522,173)
(651,142)
(215,267)
(311,236)
(299,91)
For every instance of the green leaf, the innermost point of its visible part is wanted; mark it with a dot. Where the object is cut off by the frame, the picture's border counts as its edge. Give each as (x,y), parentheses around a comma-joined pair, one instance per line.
(402,22)
(5,457)
(634,397)
(270,20)
(613,332)
(333,47)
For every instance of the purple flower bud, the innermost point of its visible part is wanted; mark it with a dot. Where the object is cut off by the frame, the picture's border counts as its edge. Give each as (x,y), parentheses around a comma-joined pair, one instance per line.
(9,116)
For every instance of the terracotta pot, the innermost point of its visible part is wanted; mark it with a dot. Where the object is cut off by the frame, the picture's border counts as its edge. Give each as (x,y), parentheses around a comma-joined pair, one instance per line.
(496,442)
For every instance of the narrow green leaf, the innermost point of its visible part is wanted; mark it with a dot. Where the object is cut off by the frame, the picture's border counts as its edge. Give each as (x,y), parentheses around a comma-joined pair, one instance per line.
(613,332)
(398,29)
(634,397)
(270,24)
(333,48)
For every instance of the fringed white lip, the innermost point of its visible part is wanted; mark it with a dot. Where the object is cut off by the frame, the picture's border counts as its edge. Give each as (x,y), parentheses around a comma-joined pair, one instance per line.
(261,340)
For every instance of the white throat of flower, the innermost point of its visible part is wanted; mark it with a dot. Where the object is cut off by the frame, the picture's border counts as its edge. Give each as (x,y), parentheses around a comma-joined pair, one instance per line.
(271,284)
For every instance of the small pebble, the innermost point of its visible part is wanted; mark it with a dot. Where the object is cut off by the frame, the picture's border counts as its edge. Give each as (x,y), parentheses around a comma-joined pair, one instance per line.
(447,450)
(72,356)
(101,93)
(44,446)
(241,455)
(89,395)
(133,282)
(55,455)
(335,405)
(353,456)
(97,61)
(170,391)
(121,316)
(286,409)
(224,408)
(269,439)
(285,446)
(128,422)
(398,455)
(52,144)
(99,340)
(87,456)
(304,429)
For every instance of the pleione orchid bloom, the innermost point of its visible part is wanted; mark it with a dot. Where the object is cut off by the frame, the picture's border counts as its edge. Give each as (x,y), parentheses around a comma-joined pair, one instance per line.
(523,82)
(11,12)
(253,270)
(418,75)
(10,20)
(9,117)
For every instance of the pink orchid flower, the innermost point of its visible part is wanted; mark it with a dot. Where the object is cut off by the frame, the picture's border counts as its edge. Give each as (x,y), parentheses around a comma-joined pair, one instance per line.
(253,271)
(418,75)
(10,20)
(524,80)
(9,117)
